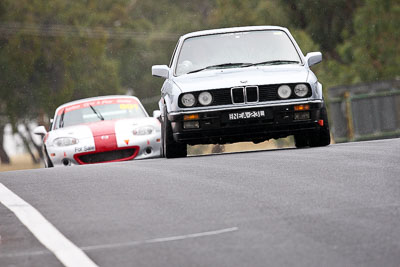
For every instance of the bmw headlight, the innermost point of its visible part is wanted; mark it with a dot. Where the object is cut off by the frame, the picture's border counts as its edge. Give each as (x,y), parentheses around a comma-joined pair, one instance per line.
(301,90)
(144,130)
(188,100)
(284,91)
(65,141)
(205,98)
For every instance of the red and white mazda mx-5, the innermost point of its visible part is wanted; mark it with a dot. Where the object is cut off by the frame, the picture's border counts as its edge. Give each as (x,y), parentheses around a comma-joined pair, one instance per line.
(100,129)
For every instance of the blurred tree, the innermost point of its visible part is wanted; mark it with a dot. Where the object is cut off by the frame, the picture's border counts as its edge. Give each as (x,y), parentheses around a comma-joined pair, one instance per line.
(323,20)
(39,73)
(372,51)
(233,13)
(4,158)
(137,55)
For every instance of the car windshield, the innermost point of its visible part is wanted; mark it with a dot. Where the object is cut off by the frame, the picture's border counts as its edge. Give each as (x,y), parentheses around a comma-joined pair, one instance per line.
(239,49)
(97,111)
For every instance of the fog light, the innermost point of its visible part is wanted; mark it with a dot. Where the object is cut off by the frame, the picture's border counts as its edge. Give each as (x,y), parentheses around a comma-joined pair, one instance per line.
(191,125)
(148,150)
(66,162)
(301,116)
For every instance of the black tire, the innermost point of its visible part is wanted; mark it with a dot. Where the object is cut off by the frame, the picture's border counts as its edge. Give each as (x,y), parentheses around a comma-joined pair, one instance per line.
(47,161)
(301,140)
(322,137)
(170,148)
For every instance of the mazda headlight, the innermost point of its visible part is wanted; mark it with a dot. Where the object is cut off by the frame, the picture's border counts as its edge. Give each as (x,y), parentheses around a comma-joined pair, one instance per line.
(144,130)
(205,98)
(284,91)
(301,90)
(188,100)
(65,141)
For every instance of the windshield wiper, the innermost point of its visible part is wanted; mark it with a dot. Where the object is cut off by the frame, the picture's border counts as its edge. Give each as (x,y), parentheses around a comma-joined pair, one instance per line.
(274,62)
(61,123)
(221,66)
(97,113)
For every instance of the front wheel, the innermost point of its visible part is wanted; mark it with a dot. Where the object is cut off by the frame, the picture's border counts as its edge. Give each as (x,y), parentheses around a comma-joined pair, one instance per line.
(47,161)
(301,140)
(320,137)
(170,148)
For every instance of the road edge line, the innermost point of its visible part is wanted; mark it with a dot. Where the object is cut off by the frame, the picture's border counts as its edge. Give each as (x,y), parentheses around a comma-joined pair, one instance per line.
(66,252)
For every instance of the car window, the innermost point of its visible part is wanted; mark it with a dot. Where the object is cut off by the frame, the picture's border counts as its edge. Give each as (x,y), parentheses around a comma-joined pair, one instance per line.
(92,112)
(239,47)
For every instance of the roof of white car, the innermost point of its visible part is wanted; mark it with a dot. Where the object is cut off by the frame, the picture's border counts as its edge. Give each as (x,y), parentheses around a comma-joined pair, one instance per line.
(234,29)
(96,98)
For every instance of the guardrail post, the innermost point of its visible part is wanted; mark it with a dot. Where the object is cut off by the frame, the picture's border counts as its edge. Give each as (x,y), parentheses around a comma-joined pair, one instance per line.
(349,116)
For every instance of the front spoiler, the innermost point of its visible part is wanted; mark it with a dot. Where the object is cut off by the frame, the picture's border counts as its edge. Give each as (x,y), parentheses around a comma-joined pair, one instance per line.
(66,156)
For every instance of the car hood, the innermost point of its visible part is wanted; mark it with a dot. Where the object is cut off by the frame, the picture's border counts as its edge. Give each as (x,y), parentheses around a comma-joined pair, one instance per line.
(226,78)
(108,127)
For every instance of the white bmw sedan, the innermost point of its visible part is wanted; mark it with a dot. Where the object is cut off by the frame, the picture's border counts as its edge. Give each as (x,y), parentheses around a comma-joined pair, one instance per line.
(240,84)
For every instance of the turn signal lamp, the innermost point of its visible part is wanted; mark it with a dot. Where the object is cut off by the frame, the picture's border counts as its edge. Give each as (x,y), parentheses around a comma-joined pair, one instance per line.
(191,117)
(301,107)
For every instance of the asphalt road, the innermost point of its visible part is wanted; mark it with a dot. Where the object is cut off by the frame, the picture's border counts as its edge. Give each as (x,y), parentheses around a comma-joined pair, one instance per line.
(331,206)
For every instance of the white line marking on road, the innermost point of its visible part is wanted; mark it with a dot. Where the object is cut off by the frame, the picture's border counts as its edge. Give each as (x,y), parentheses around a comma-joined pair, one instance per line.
(160,240)
(25,254)
(133,243)
(68,254)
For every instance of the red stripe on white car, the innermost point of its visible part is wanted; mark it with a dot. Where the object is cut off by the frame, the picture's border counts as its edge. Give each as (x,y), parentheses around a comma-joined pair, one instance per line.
(104,135)
(105,140)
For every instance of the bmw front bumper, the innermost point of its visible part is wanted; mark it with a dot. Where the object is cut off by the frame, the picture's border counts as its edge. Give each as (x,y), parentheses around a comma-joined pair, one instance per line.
(221,126)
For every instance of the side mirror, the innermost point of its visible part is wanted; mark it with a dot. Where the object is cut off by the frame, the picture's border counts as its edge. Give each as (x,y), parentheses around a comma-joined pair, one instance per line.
(313,58)
(160,71)
(40,130)
(156,114)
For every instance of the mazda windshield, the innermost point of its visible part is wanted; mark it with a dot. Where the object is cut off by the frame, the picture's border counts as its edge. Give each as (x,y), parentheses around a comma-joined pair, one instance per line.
(109,109)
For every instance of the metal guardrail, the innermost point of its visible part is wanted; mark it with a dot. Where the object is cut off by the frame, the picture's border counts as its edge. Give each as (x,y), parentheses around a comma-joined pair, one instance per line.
(365,111)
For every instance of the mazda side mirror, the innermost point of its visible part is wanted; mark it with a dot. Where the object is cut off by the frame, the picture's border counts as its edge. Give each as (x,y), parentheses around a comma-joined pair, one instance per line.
(40,130)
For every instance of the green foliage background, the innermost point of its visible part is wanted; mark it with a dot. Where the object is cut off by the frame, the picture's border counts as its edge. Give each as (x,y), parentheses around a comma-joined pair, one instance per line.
(66,50)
